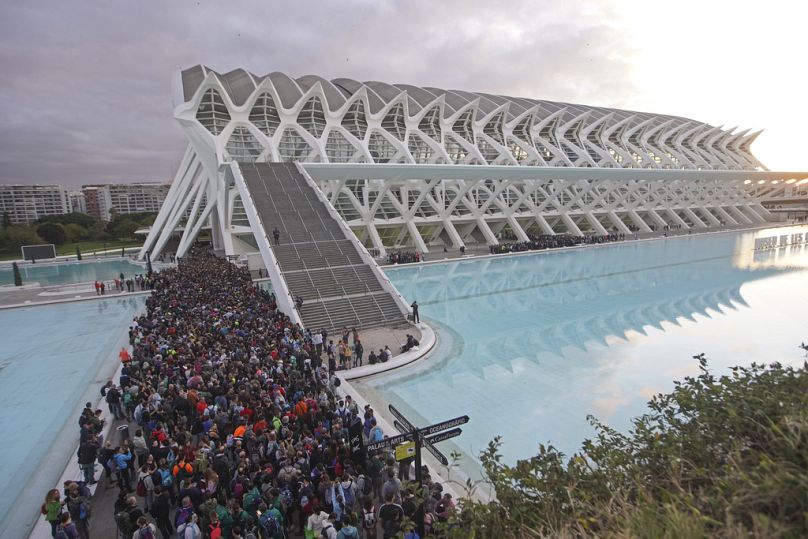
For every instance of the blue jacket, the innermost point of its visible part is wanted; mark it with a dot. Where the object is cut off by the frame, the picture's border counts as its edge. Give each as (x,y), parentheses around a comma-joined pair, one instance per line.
(122,460)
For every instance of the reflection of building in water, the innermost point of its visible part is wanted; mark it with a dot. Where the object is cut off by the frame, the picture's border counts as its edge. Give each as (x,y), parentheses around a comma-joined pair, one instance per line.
(784,248)
(552,305)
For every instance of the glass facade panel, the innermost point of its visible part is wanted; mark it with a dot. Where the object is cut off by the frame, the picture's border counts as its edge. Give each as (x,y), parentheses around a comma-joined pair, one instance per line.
(264,115)
(212,112)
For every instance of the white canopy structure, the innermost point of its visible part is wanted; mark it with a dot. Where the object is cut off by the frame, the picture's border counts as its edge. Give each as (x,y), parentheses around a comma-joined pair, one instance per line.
(406,166)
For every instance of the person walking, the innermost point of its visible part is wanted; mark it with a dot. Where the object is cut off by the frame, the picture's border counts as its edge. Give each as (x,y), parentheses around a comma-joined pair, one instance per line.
(277,235)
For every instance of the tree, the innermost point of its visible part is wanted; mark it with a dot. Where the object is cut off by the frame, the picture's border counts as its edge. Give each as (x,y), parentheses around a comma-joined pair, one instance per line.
(717,457)
(122,228)
(78,253)
(86,221)
(52,233)
(6,219)
(13,237)
(76,232)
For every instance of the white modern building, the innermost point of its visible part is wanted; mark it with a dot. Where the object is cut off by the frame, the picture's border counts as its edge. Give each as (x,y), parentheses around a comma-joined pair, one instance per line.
(27,203)
(423,167)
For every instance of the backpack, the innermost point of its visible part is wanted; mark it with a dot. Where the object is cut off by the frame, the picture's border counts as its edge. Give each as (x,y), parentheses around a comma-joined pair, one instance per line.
(324,532)
(270,525)
(369,519)
(286,498)
(84,510)
(145,533)
(251,501)
(183,516)
(367,485)
(61,533)
(124,523)
(140,490)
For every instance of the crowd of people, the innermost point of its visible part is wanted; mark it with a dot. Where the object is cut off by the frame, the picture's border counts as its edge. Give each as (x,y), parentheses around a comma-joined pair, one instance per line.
(239,428)
(536,243)
(120,283)
(404,257)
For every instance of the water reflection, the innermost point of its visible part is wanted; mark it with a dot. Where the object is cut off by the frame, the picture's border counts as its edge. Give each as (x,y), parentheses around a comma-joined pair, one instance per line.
(538,342)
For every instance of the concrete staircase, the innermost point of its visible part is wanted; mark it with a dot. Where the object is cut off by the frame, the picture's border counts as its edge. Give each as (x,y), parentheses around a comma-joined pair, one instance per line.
(317,261)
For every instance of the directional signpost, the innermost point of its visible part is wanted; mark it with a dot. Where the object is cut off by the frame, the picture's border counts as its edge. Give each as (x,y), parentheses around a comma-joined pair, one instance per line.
(422,438)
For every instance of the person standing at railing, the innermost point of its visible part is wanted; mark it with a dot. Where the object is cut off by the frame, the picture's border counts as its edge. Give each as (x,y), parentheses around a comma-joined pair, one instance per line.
(415,317)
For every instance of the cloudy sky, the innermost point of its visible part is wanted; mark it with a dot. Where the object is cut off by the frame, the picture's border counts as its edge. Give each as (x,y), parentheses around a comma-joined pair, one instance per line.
(85,94)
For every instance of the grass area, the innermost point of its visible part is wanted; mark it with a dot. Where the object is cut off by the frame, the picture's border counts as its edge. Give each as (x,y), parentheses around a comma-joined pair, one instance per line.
(86,247)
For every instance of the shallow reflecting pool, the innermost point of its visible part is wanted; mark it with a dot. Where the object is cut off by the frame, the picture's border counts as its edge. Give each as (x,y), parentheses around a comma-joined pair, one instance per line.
(52,359)
(530,345)
(54,273)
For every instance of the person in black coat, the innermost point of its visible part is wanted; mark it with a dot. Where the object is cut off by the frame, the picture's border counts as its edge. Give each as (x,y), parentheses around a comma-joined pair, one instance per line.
(160,509)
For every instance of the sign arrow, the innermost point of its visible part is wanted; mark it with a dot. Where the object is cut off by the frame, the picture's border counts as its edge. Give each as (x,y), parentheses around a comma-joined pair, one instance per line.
(388,442)
(437,454)
(443,425)
(441,436)
(398,415)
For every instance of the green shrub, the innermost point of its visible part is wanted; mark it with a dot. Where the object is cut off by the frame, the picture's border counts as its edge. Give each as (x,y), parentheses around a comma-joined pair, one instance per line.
(717,457)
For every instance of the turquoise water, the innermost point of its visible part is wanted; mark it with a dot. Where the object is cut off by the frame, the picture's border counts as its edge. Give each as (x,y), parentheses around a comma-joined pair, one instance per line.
(47,274)
(52,360)
(530,345)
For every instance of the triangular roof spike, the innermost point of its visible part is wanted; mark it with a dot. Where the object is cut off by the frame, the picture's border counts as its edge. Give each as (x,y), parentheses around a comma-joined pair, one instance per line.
(542,122)
(579,118)
(439,102)
(750,138)
(359,95)
(485,120)
(648,133)
(619,125)
(513,124)
(471,105)
(586,129)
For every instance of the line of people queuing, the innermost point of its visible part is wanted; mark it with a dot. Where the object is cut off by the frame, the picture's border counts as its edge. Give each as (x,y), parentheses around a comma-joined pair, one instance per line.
(240,432)
(404,257)
(547,241)
(132,284)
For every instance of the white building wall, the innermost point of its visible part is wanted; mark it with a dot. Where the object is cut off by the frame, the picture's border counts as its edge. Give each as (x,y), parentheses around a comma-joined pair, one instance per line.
(27,203)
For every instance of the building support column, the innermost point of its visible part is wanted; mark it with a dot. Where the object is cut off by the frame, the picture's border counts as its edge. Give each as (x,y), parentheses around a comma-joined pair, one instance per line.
(639,221)
(727,217)
(621,226)
(490,237)
(596,223)
(375,239)
(416,237)
(521,235)
(457,241)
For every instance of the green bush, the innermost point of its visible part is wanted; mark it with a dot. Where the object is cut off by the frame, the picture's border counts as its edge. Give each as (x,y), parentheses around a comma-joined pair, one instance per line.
(717,457)
(52,233)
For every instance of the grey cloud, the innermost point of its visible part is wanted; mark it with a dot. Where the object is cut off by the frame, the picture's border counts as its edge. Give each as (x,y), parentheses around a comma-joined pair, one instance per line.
(86,91)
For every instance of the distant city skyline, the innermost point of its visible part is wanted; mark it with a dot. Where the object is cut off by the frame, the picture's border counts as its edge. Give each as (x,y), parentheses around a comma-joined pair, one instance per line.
(87,92)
